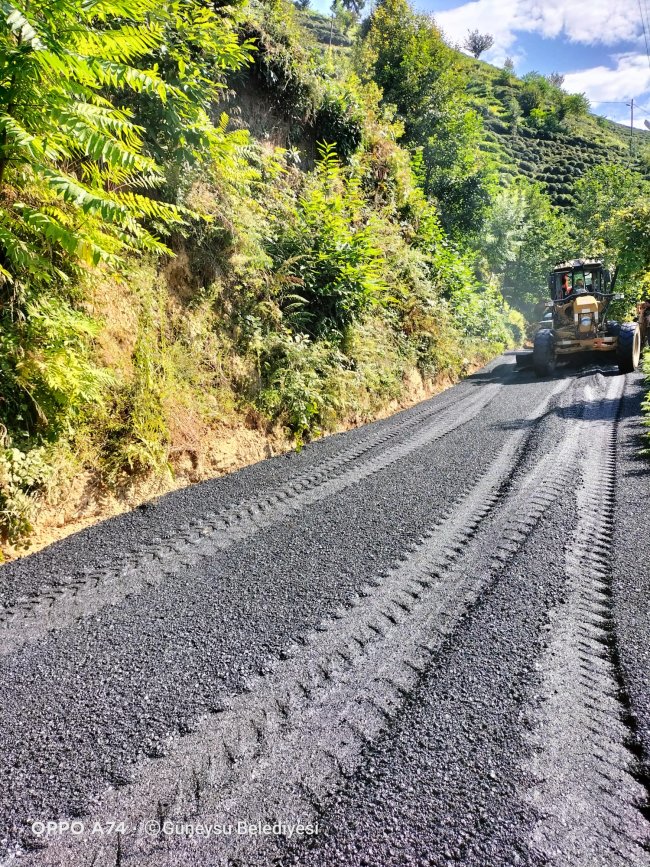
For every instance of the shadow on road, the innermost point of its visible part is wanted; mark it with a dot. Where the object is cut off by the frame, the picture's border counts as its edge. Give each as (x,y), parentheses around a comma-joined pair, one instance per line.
(597,411)
(603,410)
(507,373)
(499,373)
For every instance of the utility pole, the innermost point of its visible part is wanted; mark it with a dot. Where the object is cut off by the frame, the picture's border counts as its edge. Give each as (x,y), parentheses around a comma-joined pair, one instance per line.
(632,127)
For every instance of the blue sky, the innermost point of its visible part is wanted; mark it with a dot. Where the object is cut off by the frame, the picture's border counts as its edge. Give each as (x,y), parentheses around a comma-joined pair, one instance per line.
(598,45)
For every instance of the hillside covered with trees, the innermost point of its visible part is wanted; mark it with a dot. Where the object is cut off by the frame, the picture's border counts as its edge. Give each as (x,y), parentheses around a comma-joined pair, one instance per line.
(243,217)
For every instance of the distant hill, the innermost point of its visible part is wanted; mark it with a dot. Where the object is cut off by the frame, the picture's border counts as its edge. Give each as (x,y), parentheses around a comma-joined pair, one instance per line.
(556,158)
(323,28)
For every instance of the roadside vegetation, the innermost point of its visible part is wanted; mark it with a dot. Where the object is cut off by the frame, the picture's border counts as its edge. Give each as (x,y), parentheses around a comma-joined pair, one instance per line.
(220,215)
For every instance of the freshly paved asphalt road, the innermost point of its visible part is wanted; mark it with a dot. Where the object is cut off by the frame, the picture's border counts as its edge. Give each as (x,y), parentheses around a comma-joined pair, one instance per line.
(425,641)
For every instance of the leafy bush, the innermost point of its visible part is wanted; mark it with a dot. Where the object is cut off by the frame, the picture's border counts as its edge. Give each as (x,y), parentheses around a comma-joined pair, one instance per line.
(601,194)
(47,376)
(573,105)
(297,388)
(327,253)
(339,121)
(523,238)
(544,120)
(481,313)
(311,385)
(134,436)
(22,474)
(513,110)
(82,155)
(199,46)
(530,98)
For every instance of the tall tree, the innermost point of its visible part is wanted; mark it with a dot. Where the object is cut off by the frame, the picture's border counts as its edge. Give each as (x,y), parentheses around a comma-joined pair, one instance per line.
(600,193)
(405,54)
(523,237)
(355,6)
(477,43)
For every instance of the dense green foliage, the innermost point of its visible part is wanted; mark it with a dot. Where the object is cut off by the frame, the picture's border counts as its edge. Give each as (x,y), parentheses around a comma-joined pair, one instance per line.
(78,183)
(612,222)
(76,156)
(419,74)
(208,216)
(328,253)
(524,236)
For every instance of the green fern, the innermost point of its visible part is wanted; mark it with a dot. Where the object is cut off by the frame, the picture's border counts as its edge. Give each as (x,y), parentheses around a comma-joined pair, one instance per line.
(61,135)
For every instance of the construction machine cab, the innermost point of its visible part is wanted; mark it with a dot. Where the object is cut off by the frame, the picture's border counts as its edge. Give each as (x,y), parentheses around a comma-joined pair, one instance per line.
(577,277)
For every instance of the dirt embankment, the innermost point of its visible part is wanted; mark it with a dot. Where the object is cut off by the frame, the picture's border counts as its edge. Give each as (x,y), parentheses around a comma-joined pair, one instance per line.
(84,500)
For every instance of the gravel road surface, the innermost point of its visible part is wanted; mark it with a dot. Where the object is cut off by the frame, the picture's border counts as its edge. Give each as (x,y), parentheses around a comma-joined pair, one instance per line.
(424,642)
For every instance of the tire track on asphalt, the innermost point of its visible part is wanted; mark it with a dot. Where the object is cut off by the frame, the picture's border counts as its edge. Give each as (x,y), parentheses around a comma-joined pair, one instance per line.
(363,439)
(337,690)
(57,607)
(585,790)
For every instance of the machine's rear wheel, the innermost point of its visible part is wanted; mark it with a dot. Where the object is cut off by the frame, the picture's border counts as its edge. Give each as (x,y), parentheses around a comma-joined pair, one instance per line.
(544,353)
(628,352)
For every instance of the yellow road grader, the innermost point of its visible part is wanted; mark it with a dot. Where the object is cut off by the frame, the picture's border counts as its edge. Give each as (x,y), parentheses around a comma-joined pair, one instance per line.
(575,321)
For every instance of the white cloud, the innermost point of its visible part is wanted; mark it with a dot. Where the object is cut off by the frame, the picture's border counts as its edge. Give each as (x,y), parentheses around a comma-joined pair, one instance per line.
(597,22)
(498,56)
(496,17)
(630,76)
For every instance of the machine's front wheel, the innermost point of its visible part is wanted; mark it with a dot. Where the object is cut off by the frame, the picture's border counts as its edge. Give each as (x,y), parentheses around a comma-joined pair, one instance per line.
(544,353)
(524,358)
(628,352)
